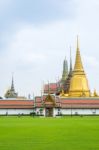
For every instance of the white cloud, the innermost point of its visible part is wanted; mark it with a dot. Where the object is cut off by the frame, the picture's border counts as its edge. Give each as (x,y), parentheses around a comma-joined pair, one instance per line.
(34,50)
(35,53)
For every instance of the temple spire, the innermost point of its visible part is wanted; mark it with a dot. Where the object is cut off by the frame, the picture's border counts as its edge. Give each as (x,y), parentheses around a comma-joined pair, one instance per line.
(10,93)
(65,70)
(77,42)
(70,61)
(48,88)
(79,83)
(66,85)
(12,84)
(78,62)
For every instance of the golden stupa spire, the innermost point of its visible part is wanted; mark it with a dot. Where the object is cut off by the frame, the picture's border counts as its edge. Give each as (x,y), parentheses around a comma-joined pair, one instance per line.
(79,82)
(78,62)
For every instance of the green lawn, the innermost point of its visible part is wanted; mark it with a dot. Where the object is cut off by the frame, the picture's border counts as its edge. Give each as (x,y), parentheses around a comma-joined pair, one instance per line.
(69,133)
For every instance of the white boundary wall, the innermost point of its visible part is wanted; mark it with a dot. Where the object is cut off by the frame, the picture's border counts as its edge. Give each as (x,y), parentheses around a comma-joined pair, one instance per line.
(76,111)
(15,111)
(37,111)
(56,111)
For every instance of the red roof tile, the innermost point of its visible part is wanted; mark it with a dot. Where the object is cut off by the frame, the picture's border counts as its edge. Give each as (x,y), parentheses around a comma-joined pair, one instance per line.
(52,86)
(91,103)
(16,103)
(38,99)
(79,101)
(64,103)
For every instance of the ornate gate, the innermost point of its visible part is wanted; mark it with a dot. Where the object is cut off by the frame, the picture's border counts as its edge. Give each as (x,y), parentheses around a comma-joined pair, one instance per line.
(49,112)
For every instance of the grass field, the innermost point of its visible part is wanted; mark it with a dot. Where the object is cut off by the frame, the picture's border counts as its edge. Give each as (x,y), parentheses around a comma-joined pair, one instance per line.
(69,133)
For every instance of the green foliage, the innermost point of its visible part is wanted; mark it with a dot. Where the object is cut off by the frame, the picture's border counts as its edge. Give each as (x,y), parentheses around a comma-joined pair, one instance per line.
(33,114)
(67,133)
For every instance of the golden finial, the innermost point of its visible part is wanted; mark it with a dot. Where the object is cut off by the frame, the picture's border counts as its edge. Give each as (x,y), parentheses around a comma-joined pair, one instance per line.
(77,42)
(78,62)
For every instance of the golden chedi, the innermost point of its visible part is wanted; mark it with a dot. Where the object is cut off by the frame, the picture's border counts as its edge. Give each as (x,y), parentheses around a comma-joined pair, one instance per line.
(79,83)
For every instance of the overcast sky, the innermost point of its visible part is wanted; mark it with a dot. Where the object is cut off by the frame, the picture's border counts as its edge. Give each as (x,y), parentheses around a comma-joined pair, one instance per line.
(35,36)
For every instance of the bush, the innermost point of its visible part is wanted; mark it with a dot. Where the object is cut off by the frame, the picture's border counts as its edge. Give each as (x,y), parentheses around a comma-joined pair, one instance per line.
(33,114)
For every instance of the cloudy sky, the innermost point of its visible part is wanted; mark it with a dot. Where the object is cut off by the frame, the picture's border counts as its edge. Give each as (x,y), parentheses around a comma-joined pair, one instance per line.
(35,36)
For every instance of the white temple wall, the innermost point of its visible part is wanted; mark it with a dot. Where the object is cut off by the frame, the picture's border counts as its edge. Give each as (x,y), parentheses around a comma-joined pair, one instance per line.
(80,111)
(38,111)
(56,111)
(15,111)
(76,111)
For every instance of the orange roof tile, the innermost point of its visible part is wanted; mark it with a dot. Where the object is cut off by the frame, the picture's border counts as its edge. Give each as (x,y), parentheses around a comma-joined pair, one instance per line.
(16,103)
